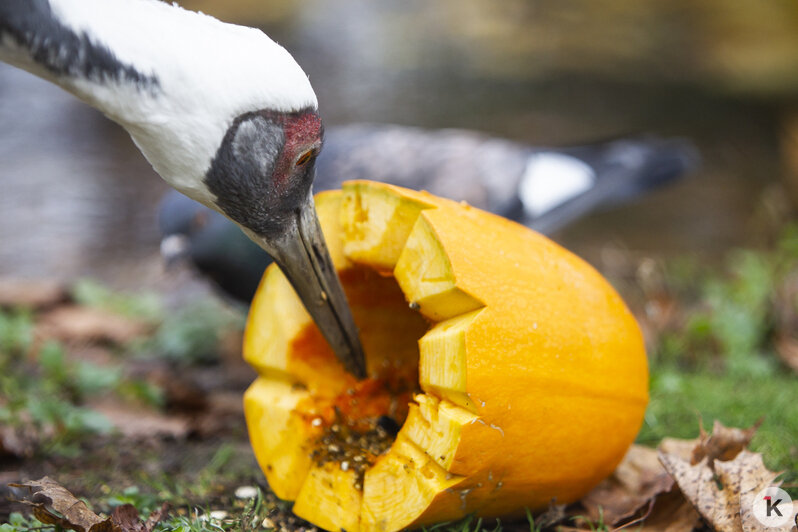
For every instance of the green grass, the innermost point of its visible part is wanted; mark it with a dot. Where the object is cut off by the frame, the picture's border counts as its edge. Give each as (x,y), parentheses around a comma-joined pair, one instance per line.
(43,390)
(594,526)
(42,396)
(680,399)
(193,334)
(720,362)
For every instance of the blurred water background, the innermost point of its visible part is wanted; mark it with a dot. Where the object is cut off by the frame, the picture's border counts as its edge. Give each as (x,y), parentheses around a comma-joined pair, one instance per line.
(77,198)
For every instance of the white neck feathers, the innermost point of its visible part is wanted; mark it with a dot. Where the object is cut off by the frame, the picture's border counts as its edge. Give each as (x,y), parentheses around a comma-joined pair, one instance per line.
(204,73)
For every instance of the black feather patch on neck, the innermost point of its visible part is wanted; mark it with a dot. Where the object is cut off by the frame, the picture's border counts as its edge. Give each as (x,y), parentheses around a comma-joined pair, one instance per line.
(241,173)
(32,25)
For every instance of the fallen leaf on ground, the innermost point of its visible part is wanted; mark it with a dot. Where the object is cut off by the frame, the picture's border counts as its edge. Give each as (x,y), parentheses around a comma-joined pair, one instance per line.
(671,512)
(126,518)
(721,508)
(31,293)
(746,476)
(637,480)
(72,323)
(49,499)
(53,504)
(554,514)
(727,508)
(723,444)
(678,447)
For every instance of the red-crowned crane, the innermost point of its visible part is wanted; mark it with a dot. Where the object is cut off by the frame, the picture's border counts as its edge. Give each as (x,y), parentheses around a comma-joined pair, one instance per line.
(223,113)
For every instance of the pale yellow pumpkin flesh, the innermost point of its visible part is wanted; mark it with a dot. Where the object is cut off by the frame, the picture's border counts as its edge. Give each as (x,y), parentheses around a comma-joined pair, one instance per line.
(516,373)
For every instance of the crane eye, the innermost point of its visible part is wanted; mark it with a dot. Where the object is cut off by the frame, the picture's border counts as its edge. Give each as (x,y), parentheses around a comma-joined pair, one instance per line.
(305,157)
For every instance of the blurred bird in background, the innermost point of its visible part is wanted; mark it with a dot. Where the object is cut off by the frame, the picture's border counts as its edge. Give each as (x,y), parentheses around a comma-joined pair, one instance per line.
(542,188)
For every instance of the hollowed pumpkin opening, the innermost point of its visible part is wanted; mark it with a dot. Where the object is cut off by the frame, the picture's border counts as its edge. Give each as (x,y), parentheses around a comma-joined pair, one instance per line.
(358,421)
(515,372)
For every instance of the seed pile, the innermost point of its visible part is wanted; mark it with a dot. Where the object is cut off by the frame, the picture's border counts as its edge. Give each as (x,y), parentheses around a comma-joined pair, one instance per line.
(355,450)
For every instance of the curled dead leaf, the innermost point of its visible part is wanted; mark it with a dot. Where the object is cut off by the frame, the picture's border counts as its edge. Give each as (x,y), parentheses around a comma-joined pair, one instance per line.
(126,518)
(675,446)
(640,495)
(724,443)
(666,491)
(53,504)
(724,496)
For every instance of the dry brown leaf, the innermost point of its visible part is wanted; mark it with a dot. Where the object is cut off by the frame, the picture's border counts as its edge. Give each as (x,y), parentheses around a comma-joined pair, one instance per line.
(30,293)
(671,513)
(637,480)
(678,447)
(729,508)
(720,508)
(554,514)
(723,444)
(640,470)
(54,504)
(126,518)
(746,476)
(75,324)
(155,517)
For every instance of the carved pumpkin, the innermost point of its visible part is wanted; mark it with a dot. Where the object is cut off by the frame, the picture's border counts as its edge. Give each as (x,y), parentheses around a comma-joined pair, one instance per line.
(515,371)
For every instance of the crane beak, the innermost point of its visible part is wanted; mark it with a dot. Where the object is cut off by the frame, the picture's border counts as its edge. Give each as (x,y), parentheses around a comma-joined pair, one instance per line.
(302,255)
